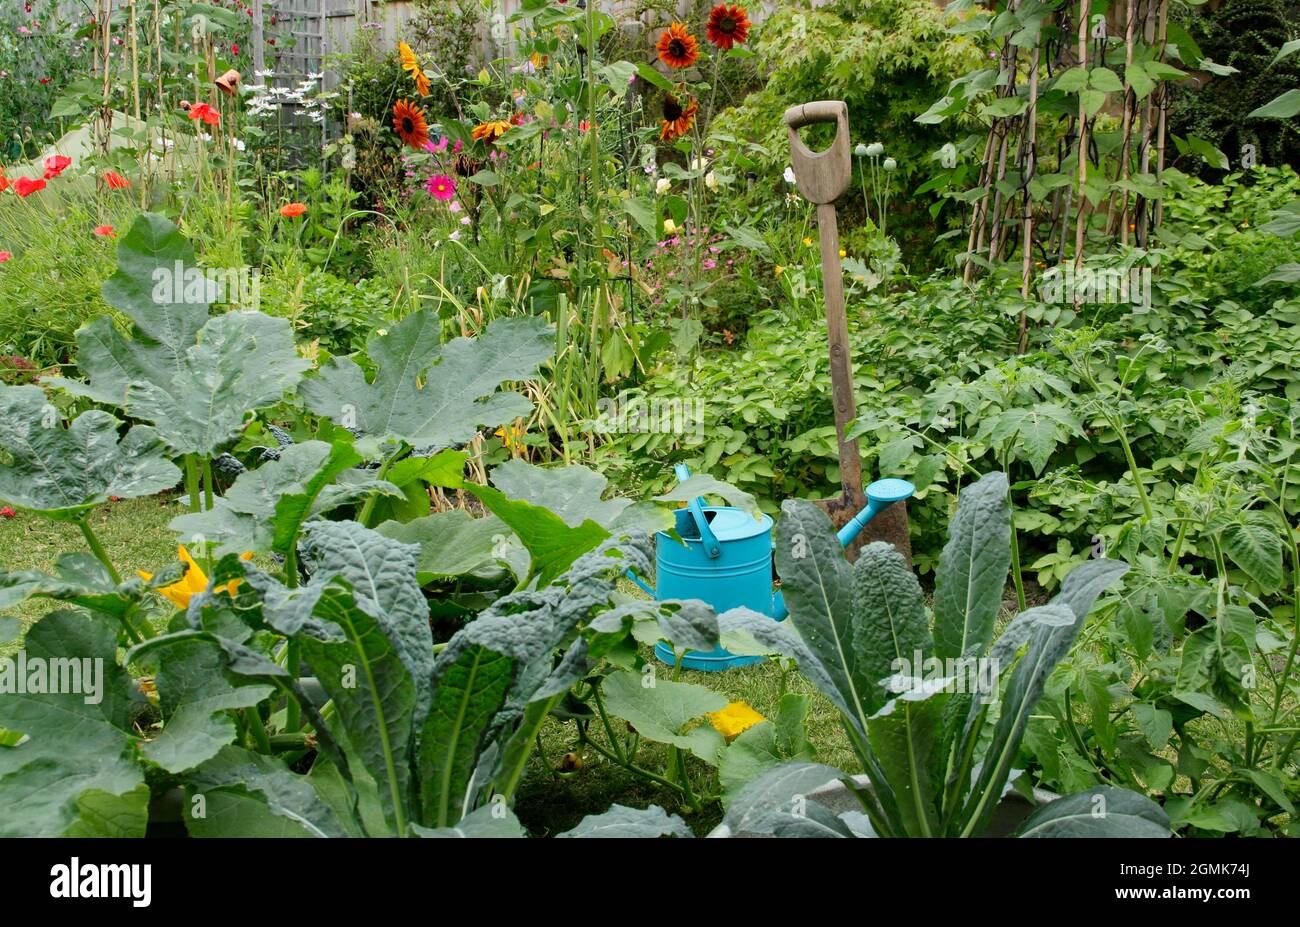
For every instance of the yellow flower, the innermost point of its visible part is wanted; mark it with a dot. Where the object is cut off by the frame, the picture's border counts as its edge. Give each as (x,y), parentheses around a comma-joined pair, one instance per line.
(488,132)
(411,64)
(193,581)
(807,241)
(779,270)
(843,253)
(509,436)
(734,720)
(669,226)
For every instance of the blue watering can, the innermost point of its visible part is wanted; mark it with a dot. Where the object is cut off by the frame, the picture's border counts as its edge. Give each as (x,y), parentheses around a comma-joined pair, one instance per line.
(726,561)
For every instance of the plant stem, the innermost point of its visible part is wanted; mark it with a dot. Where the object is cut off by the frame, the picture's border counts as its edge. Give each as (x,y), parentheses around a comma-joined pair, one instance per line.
(192,482)
(98,549)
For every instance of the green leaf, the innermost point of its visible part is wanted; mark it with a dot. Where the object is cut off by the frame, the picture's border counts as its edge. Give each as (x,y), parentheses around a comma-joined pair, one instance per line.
(973,569)
(701,484)
(243,361)
(1285,106)
(1105,80)
(195,699)
(1256,547)
(264,509)
(651,76)
(429,394)
(79,751)
(1283,273)
(1092,101)
(573,492)
(148,257)
(1072,80)
(469,693)
(247,794)
(661,710)
(489,822)
(776,804)
(889,618)
(78,578)
(452,543)
(621,821)
(906,736)
(551,543)
(1103,811)
(63,472)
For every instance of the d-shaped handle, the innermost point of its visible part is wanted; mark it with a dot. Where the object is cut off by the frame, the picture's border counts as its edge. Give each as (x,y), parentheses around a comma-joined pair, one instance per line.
(822,176)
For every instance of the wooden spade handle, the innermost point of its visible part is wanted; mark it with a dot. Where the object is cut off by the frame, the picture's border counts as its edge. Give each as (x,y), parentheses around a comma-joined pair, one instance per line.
(822,176)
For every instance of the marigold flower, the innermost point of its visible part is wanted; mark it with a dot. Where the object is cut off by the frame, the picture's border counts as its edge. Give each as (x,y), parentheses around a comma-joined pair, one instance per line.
(293,210)
(734,720)
(408,122)
(728,26)
(677,47)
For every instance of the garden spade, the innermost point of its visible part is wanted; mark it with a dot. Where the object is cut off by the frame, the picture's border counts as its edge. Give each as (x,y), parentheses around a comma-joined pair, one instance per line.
(822,177)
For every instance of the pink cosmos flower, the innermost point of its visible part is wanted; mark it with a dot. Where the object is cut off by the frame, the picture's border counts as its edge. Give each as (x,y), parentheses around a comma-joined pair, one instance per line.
(441,187)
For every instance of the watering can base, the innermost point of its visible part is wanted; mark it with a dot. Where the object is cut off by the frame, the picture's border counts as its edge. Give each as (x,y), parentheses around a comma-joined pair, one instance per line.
(712,661)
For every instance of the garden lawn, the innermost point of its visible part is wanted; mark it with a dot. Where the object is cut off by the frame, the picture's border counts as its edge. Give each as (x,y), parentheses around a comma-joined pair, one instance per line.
(134,533)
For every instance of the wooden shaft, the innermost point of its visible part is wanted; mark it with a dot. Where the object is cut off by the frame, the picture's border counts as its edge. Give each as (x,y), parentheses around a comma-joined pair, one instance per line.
(837,331)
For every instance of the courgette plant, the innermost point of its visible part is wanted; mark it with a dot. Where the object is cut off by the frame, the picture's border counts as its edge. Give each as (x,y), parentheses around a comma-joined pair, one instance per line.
(937,738)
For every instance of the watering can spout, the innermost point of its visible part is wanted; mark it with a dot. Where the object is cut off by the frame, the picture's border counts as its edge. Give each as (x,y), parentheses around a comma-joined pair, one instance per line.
(880,495)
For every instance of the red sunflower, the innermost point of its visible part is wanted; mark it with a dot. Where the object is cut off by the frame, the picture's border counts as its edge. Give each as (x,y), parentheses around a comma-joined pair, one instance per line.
(678,119)
(677,47)
(728,26)
(408,121)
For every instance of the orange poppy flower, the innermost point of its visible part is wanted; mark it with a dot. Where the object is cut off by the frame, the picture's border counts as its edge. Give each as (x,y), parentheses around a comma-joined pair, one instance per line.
(25,186)
(4,181)
(488,132)
(115,180)
(205,112)
(678,119)
(293,210)
(105,231)
(408,121)
(728,26)
(677,47)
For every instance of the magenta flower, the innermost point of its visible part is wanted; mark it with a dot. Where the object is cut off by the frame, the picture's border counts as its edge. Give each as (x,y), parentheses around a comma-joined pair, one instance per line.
(441,187)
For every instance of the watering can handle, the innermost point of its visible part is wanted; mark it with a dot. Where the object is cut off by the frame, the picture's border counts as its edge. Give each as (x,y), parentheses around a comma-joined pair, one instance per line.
(822,176)
(696,507)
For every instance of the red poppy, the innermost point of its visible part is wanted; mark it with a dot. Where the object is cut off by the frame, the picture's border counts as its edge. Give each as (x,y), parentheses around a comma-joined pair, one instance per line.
(5,255)
(115,180)
(25,186)
(4,181)
(205,112)
(293,210)
(7,512)
(56,165)
(105,231)
(728,26)
(234,49)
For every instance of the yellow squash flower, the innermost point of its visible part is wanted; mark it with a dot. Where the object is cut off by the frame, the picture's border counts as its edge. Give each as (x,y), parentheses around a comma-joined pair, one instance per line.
(193,582)
(734,720)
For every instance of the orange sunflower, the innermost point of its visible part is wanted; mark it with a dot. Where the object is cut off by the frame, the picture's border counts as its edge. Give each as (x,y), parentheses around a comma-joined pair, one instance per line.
(488,132)
(411,64)
(728,26)
(677,47)
(678,119)
(408,121)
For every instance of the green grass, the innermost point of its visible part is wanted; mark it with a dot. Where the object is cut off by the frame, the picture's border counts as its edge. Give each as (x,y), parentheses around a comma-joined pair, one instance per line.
(134,534)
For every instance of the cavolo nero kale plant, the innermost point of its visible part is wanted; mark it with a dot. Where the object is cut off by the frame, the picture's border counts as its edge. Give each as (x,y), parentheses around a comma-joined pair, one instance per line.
(937,739)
